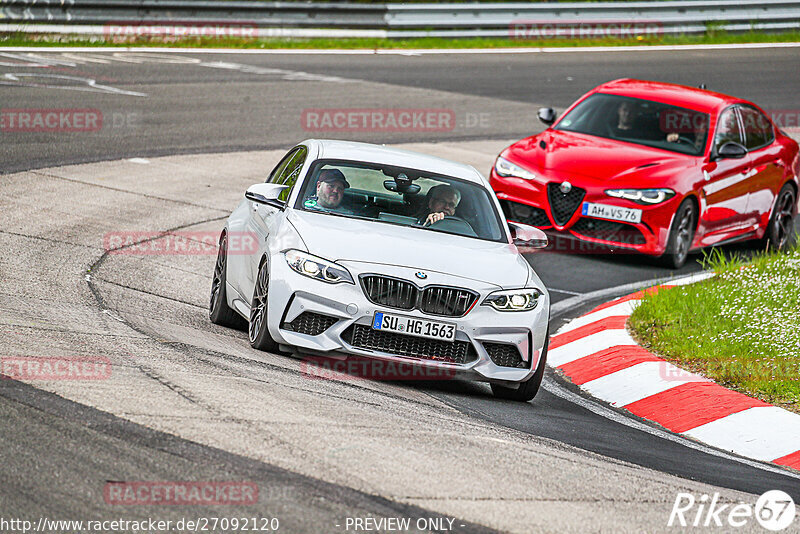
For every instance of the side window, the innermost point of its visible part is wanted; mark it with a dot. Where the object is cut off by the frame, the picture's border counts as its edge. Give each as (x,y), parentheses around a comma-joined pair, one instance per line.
(757,128)
(727,129)
(288,170)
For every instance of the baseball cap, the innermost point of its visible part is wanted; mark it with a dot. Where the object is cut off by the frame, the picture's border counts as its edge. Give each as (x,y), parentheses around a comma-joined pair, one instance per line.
(332,175)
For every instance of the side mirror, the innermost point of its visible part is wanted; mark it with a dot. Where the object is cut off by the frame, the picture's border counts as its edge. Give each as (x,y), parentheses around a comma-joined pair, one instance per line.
(547,115)
(525,236)
(266,194)
(731,150)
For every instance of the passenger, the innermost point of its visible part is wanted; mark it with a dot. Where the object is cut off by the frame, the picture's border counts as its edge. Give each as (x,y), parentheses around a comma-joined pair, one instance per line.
(442,202)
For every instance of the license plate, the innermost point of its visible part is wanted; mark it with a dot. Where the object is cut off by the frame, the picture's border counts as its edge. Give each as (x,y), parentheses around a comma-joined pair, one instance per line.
(612,213)
(414,326)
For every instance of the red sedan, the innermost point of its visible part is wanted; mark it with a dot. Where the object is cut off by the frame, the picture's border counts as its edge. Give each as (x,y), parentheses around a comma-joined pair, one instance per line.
(656,168)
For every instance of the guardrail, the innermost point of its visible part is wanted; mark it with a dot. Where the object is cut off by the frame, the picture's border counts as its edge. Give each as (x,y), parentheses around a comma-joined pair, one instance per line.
(516,20)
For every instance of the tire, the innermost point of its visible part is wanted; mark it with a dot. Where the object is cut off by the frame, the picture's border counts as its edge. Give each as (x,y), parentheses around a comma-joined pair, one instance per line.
(681,234)
(780,230)
(257,331)
(527,390)
(218,310)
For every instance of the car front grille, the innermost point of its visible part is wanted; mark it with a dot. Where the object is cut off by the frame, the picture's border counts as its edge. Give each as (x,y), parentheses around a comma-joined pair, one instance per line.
(403,295)
(364,337)
(609,231)
(390,292)
(563,205)
(505,355)
(310,323)
(514,211)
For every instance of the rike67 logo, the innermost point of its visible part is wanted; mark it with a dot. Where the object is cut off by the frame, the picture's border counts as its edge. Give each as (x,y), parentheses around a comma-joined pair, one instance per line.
(774,511)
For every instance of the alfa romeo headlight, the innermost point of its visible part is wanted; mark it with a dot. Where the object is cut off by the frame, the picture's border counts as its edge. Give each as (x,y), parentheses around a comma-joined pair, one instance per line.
(318,268)
(513,299)
(503,167)
(642,196)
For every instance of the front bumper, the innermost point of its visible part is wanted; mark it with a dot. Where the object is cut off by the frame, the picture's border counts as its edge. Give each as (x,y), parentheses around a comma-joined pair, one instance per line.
(346,306)
(527,202)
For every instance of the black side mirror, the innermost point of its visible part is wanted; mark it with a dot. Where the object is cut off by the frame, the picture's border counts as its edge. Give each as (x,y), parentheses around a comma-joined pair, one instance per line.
(731,150)
(547,115)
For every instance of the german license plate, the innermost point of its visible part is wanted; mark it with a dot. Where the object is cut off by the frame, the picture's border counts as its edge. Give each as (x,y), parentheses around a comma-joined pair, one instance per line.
(414,326)
(612,213)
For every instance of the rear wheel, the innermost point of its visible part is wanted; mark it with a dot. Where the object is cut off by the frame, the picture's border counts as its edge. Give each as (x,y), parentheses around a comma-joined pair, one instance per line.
(780,231)
(258,332)
(218,310)
(527,390)
(681,234)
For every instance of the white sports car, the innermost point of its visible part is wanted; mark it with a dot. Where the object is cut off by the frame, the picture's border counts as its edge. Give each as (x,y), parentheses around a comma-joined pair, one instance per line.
(361,251)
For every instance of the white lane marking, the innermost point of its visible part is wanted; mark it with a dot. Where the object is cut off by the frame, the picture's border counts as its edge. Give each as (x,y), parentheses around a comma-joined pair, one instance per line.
(566,292)
(18,79)
(624,308)
(607,413)
(638,382)
(764,432)
(360,52)
(699,277)
(585,346)
(140,161)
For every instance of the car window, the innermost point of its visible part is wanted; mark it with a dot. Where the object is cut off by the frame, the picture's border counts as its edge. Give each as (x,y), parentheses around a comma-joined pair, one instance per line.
(639,121)
(401,196)
(288,170)
(757,128)
(727,129)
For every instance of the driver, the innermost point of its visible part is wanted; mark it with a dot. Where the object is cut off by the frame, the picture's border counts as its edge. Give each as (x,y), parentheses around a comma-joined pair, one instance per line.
(330,190)
(442,202)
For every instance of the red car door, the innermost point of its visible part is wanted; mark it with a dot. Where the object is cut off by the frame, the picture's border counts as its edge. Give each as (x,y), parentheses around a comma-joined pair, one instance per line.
(726,183)
(766,173)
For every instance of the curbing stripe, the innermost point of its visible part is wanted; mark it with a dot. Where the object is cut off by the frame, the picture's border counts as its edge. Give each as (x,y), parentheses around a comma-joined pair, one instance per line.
(617,310)
(638,382)
(790,460)
(587,346)
(692,405)
(764,433)
(606,362)
(609,323)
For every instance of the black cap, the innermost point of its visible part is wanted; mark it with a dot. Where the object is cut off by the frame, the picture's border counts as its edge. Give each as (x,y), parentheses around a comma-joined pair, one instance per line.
(332,175)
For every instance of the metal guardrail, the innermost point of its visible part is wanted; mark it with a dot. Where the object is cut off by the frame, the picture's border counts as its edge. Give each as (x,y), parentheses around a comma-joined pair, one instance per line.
(305,19)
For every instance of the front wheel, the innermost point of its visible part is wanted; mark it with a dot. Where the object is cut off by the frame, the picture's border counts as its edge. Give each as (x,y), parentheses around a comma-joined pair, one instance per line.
(527,390)
(258,332)
(681,234)
(780,231)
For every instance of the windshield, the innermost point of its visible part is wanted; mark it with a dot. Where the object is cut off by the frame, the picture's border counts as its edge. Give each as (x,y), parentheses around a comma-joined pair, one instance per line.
(401,196)
(643,122)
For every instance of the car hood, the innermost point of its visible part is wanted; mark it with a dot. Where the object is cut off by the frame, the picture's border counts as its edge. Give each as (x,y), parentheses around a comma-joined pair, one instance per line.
(572,154)
(342,239)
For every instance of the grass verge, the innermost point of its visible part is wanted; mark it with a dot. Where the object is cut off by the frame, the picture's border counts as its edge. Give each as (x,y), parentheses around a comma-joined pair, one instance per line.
(711,37)
(740,328)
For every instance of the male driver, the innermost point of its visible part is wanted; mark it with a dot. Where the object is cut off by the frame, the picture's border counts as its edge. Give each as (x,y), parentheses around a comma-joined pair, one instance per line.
(330,188)
(442,201)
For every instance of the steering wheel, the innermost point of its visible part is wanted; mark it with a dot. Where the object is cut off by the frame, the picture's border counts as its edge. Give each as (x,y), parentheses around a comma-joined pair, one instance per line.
(455,225)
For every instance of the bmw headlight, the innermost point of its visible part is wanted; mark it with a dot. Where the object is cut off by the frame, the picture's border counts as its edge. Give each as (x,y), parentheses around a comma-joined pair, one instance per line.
(318,268)
(642,196)
(503,167)
(513,299)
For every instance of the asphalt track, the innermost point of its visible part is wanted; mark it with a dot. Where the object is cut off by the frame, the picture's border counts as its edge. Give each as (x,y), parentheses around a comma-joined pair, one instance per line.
(584,469)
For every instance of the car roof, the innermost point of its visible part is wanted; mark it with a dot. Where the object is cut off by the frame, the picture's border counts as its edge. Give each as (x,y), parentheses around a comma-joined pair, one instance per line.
(369,153)
(669,93)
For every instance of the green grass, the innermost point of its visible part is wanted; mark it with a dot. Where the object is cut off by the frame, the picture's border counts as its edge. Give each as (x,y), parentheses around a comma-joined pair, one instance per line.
(711,37)
(740,328)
